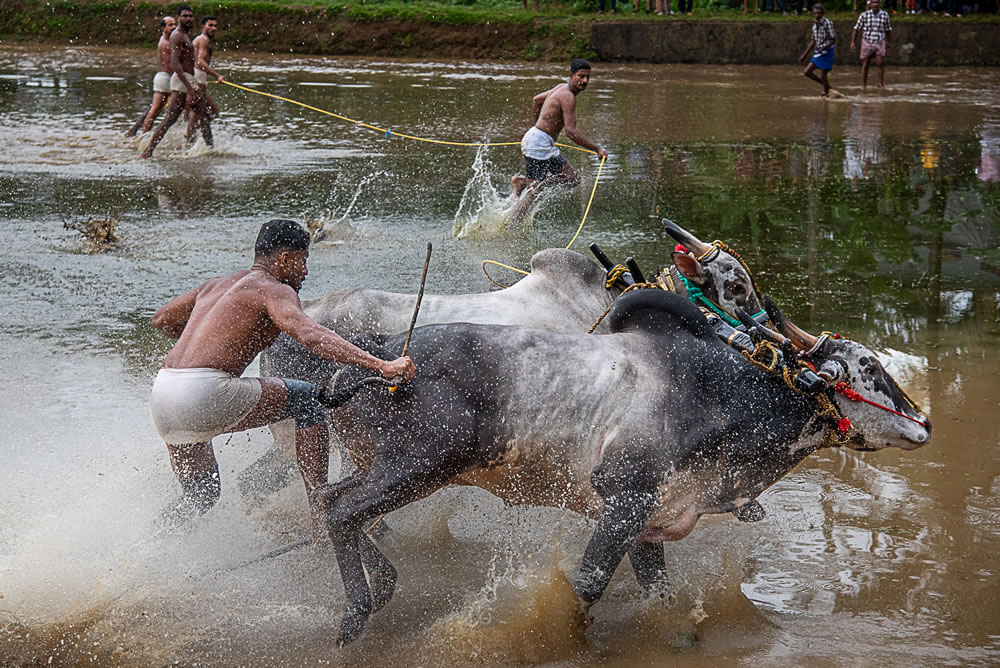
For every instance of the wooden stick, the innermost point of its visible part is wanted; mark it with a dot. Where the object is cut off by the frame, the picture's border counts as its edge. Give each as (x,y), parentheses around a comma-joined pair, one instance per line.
(416,308)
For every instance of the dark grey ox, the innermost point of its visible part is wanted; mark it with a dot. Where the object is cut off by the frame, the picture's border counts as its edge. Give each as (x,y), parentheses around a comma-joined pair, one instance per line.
(565,292)
(646,429)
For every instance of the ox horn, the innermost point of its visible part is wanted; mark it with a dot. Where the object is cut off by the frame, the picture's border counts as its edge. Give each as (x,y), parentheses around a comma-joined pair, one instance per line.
(802,339)
(691,242)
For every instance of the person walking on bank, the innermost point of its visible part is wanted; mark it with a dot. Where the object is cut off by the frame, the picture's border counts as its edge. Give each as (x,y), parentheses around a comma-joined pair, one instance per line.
(161,82)
(823,38)
(875,28)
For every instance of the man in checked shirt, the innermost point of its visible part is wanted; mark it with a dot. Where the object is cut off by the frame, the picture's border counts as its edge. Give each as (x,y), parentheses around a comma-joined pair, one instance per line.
(822,41)
(874,26)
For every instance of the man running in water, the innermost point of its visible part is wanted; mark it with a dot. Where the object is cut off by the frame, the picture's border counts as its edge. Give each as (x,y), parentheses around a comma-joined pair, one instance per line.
(205,107)
(552,111)
(182,80)
(161,82)
(220,328)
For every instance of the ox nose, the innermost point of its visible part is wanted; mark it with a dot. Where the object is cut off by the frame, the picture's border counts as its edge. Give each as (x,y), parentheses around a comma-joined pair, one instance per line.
(927,425)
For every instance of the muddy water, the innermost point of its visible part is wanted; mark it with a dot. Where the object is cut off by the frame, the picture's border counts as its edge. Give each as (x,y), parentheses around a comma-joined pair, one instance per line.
(876,216)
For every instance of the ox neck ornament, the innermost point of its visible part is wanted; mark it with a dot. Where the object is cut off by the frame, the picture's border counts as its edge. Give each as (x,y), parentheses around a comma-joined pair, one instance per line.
(838,429)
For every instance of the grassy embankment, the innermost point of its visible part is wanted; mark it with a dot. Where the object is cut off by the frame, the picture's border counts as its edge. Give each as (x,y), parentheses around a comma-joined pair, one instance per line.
(486,29)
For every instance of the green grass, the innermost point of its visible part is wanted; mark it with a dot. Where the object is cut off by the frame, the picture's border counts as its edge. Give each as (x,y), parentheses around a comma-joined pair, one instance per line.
(512,11)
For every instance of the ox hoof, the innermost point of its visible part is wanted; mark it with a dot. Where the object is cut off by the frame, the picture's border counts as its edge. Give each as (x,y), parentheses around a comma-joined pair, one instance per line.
(351,625)
(750,512)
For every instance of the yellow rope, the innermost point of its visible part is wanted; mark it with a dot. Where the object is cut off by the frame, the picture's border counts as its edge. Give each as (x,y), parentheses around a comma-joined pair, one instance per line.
(589,202)
(505,266)
(389,133)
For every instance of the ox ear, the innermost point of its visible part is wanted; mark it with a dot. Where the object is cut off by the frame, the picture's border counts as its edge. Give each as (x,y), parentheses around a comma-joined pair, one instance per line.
(689,267)
(800,338)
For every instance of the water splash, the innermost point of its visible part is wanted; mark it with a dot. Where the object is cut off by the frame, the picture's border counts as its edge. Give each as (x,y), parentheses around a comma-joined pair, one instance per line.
(324,228)
(527,613)
(483,213)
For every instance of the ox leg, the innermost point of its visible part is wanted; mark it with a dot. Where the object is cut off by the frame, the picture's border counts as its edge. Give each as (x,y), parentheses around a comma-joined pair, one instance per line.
(352,504)
(623,518)
(649,566)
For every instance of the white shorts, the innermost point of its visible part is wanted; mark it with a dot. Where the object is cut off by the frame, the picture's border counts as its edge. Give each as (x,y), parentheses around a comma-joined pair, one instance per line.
(176,85)
(161,82)
(194,405)
(200,77)
(538,144)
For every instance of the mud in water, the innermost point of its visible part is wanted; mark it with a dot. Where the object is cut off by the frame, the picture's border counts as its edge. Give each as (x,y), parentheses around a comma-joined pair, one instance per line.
(875,216)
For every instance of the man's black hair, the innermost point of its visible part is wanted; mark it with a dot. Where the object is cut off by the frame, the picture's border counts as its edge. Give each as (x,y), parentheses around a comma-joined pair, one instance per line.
(206,19)
(280,235)
(181,8)
(578,64)
(820,7)
(163,22)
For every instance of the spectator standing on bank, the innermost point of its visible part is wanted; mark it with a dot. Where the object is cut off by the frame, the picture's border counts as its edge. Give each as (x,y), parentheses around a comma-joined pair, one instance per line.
(684,6)
(875,28)
(823,38)
(614,9)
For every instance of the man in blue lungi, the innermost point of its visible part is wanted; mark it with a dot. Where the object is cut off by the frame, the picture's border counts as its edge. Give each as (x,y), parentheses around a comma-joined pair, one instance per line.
(821,44)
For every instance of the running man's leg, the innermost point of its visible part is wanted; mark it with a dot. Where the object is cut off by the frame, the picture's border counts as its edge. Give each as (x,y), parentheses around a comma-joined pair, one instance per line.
(174,109)
(159,101)
(282,399)
(880,63)
(197,471)
(809,72)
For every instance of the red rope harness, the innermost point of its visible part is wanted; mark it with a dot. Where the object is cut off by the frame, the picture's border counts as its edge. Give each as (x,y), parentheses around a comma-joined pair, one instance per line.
(846,390)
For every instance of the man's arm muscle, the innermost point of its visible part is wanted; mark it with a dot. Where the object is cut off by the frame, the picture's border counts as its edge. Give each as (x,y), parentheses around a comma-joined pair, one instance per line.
(283,306)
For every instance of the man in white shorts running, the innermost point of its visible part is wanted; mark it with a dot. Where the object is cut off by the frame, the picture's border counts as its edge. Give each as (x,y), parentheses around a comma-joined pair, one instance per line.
(161,82)
(205,107)
(220,328)
(552,111)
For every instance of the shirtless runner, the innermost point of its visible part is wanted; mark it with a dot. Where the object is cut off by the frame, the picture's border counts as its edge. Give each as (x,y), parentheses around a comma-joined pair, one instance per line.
(220,328)
(182,80)
(161,82)
(205,107)
(552,111)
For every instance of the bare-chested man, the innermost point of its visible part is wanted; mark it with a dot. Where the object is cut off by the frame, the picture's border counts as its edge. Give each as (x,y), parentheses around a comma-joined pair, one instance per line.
(220,328)
(182,88)
(205,107)
(161,82)
(552,111)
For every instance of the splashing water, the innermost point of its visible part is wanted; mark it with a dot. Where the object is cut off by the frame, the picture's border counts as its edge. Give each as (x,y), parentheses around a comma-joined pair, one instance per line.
(482,212)
(526,613)
(340,230)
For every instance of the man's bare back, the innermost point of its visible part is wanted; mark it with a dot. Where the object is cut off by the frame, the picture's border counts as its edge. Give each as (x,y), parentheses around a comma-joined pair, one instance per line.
(224,323)
(163,55)
(229,323)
